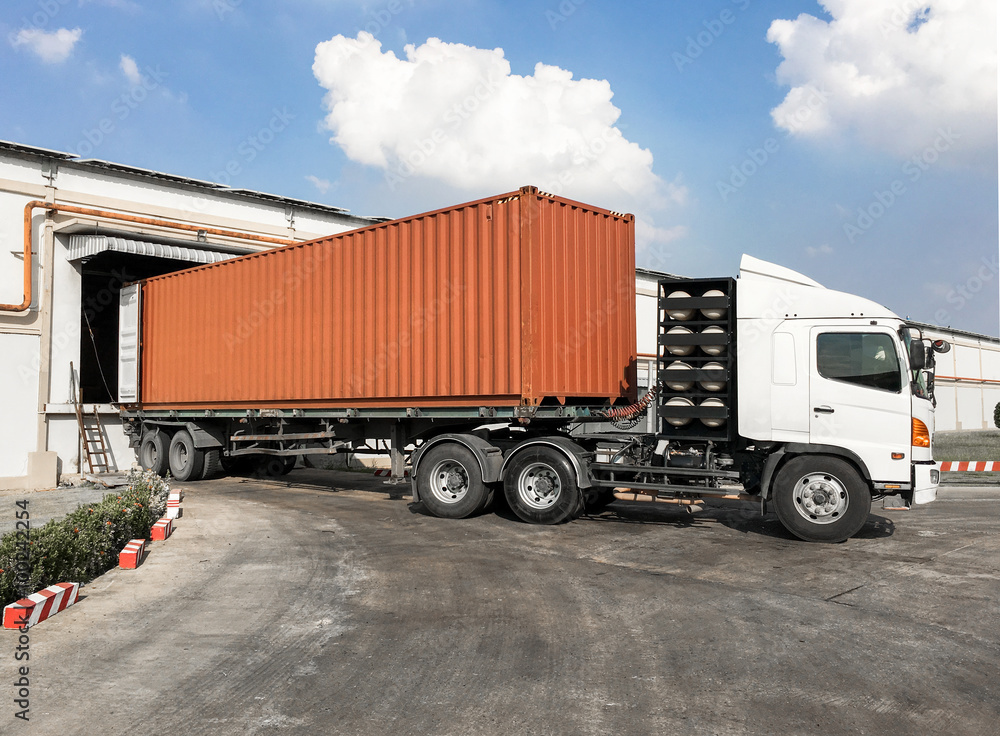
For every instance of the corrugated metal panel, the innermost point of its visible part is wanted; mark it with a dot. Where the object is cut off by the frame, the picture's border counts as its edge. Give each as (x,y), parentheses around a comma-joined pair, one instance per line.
(501,301)
(85,246)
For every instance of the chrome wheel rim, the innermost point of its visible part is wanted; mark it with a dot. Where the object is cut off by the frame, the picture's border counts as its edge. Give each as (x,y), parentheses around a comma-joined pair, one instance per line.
(820,498)
(449,481)
(538,486)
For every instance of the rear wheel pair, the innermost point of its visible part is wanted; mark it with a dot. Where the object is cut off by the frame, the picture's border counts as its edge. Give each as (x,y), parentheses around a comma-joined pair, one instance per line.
(540,485)
(161,452)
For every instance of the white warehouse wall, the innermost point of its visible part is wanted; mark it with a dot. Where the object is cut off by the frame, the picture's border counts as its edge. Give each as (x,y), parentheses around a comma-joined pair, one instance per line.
(39,438)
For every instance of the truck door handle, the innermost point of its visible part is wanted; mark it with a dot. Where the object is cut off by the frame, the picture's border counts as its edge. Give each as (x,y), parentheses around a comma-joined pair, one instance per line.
(823,409)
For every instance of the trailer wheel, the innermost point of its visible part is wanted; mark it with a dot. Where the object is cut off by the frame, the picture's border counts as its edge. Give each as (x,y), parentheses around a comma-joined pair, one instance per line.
(450,482)
(821,498)
(186,461)
(213,464)
(154,451)
(540,486)
(273,466)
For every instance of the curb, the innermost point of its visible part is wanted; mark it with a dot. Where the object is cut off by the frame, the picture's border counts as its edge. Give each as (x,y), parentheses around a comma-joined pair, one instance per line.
(40,606)
(161,530)
(46,603)
(131,555)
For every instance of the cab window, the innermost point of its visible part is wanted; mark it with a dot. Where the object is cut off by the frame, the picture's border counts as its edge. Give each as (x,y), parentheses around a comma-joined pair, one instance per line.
(864,359)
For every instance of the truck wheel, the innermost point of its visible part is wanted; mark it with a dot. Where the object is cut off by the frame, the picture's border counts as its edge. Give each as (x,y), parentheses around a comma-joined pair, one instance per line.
(540,486)
(212,465)
(186,461)
(821,499)
(154,451)
(450,482)
(271,466)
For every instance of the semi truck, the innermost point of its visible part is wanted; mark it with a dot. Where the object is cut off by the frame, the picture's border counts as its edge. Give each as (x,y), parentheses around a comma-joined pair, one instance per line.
(490,348)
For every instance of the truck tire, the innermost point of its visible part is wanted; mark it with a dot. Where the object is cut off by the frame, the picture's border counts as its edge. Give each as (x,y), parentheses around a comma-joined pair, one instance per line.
(212,465)
(154,451)
(540,486)
(273,466)
(187,462)
(450,482)
(820,498)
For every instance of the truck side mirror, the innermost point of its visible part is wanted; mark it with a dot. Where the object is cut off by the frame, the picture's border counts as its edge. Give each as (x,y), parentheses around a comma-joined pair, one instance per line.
(940,346)
(918,355)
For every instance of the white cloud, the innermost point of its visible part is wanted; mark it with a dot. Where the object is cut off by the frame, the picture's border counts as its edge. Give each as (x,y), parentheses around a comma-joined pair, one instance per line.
(130,69)
(322,184)
(892,73)
(455,114)
(52,48)
(648,235)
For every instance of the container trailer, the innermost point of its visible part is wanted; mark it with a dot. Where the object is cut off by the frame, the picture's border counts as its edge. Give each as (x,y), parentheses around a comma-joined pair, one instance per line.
(491,347)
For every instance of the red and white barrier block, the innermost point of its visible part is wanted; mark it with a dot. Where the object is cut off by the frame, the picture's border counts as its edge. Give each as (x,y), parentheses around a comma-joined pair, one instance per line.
(976,466)
(174,506)
(39,606)
(161,529)
(131,555)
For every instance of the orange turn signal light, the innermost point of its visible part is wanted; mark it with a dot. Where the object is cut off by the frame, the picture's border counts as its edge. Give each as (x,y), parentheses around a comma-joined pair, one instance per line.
(919,436)
(898,455)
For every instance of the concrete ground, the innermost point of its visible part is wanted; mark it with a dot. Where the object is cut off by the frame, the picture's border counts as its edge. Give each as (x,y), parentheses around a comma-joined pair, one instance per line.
(330,604)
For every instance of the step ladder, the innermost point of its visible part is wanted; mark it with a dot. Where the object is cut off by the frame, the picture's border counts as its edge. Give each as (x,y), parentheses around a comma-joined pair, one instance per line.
(95,450)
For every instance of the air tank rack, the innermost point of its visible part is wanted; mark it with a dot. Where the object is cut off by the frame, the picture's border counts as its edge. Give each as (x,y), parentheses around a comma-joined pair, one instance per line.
(696,352)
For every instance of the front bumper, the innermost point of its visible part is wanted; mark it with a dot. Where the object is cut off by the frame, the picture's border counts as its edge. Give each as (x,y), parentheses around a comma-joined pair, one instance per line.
(926,478)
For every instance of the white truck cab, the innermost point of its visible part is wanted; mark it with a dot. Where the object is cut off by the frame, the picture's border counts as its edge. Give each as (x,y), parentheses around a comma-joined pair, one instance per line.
(823,373)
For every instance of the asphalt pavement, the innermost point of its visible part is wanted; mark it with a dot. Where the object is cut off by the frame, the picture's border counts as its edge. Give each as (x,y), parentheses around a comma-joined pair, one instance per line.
(329,603)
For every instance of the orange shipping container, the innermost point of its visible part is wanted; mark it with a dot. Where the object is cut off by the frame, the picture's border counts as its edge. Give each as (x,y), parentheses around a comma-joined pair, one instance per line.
(504,301)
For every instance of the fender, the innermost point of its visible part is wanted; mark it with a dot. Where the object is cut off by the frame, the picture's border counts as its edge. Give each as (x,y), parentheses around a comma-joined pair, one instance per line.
(578,457)
(490,458)
(792,449)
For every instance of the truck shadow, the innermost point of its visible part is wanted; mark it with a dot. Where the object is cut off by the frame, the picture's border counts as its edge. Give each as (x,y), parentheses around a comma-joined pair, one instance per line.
(747,520)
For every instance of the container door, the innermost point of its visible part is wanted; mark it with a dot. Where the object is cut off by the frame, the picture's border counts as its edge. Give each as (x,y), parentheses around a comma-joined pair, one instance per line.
(128,344)
(859,397)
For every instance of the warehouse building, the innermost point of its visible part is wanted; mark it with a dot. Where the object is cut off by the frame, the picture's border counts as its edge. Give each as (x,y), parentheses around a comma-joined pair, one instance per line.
(73,231)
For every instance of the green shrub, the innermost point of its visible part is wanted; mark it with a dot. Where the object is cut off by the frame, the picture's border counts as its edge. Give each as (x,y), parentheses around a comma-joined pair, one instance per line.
(84,543)
(996,414)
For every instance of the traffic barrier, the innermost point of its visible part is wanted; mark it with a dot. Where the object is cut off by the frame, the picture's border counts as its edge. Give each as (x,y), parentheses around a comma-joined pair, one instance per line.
(40,606)
(975,466)
(131,555)
(162,529)
(173,506)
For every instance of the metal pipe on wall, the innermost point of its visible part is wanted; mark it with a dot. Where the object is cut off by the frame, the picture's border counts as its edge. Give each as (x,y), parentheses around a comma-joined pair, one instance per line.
(106,214)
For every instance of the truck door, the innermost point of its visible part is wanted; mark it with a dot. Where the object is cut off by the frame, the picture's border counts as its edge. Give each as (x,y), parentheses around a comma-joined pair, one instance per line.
(859,398)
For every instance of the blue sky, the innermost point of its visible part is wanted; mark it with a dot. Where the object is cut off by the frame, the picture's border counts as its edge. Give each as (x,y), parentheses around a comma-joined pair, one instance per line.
(853,140)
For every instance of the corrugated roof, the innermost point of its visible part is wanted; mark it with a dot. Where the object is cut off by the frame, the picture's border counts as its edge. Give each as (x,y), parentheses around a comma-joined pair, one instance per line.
(135,171)
(86,246)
